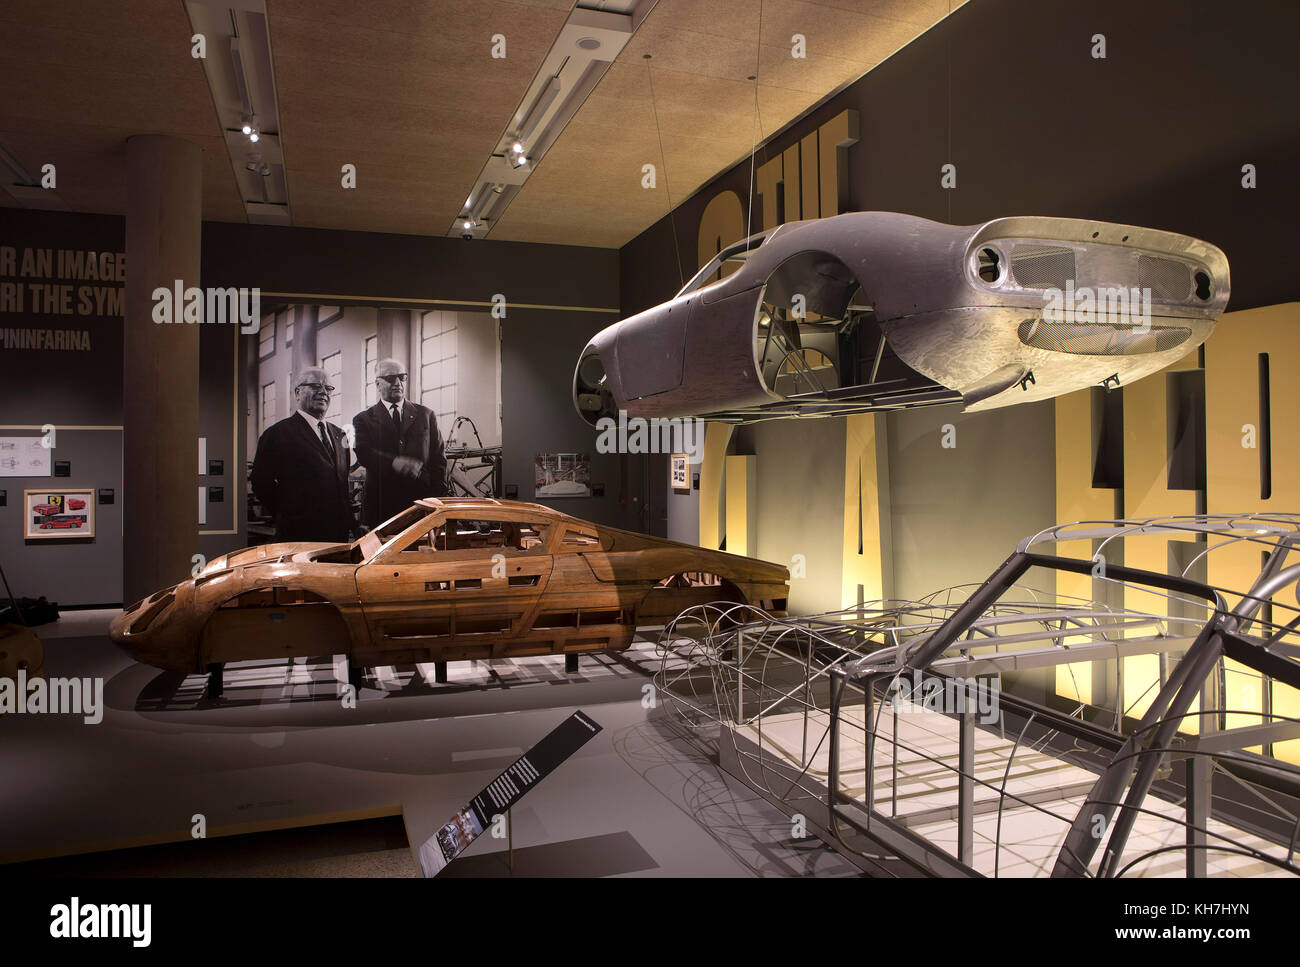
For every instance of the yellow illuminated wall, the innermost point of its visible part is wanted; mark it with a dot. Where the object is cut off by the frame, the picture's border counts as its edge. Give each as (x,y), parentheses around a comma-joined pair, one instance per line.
(722,222)
(712,465)
(742,478)
(1235,430)
(811,172)
(1147,494)
(1077,500)
(866,511)
(1233,471)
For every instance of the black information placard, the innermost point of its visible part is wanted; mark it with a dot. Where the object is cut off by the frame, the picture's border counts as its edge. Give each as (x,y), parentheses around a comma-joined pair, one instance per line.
(504,791)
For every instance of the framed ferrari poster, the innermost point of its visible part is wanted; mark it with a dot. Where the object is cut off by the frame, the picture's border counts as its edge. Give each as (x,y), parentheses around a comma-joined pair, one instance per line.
(58,513)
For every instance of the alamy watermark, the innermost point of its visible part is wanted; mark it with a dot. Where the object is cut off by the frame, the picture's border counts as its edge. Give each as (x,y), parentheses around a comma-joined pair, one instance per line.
(55,696)
(75,920)
(1116,306)
(637,434)
(224,306)
(950,696)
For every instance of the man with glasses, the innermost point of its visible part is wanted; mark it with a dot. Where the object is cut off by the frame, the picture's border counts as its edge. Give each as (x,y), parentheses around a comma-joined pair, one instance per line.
(399,445)
(300,472)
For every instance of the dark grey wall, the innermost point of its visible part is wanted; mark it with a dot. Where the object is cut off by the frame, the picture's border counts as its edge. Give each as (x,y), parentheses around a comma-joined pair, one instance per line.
(77,571)
(800,467)
(959,512)
(538,353)
(65,388)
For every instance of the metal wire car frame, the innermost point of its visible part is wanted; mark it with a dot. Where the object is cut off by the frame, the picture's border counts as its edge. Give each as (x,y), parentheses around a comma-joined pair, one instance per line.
(738,668)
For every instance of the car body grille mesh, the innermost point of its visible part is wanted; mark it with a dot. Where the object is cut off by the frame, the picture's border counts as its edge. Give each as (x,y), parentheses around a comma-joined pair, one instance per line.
(1042,266)
(1080,339)
(1168,280)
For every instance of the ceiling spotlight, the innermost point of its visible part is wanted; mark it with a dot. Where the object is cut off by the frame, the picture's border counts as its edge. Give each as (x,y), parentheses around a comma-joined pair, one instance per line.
(247,128)
(467,224)
(254,136)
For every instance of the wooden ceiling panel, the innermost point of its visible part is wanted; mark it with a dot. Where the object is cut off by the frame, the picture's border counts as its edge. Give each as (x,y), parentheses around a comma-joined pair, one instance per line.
(79,79)
(408,92)
(587,189)
(458,19)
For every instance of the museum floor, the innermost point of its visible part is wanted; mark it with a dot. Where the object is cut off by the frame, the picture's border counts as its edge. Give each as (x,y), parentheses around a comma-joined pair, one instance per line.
(289,782)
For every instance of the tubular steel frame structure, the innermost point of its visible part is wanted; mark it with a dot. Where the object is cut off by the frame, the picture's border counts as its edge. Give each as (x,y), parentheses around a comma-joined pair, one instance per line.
(740,671)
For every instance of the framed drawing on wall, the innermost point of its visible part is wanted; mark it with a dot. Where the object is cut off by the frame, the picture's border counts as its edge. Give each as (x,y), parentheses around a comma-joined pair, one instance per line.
(679,472)
(58,513)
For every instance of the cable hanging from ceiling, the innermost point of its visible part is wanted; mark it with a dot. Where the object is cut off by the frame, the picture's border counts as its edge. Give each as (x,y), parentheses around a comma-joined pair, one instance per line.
(663,161)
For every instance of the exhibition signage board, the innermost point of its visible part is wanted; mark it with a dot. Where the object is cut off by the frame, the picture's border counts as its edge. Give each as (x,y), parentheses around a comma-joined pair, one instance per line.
(504,791)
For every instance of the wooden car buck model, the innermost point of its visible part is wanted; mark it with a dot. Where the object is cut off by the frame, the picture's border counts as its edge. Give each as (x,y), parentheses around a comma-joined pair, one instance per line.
(443,580)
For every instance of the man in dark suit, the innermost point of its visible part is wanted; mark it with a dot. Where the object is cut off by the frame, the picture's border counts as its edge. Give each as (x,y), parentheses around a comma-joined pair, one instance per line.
(300,472)
(399,445)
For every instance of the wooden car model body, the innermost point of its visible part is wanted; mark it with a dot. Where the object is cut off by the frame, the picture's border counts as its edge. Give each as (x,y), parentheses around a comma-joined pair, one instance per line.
(444,580)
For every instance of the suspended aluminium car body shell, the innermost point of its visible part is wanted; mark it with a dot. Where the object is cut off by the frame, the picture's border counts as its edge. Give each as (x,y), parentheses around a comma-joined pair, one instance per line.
(875,310)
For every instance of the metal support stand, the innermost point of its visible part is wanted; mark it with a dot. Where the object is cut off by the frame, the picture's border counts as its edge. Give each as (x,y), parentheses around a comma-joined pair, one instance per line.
(570,664)
(833,753)
(1199,773)
(356,678)
(510,839)
(216,684)
(740,676)
(869,730)
(966,788)
(893,773)
(440,672)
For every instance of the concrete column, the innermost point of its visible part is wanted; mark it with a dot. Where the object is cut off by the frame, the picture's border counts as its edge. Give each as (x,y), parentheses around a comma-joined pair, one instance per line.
(160,364)
(394,336)
(305,320)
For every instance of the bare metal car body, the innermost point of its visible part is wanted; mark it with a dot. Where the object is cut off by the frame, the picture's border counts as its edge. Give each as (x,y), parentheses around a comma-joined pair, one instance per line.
(876,310)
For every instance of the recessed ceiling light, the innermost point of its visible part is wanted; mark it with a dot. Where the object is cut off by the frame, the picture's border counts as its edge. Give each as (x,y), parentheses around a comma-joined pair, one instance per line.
(588,43)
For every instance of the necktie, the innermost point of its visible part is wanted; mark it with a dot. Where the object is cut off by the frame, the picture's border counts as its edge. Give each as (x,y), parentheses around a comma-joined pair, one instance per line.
(324,438)
(397,421)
